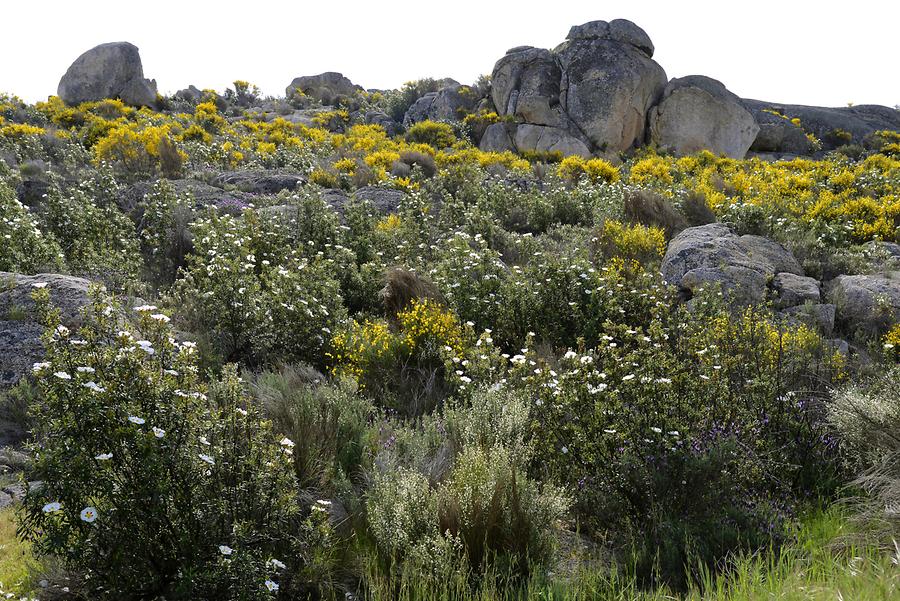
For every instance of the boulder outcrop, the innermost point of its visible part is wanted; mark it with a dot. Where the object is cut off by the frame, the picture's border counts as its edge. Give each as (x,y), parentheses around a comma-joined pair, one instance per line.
(111,70)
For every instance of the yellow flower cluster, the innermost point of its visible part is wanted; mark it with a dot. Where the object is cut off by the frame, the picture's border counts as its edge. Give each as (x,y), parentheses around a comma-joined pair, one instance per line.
(861,197)
(637,242)
(428,322)
(362,349)
(597,170)
(892,341)
(19,130)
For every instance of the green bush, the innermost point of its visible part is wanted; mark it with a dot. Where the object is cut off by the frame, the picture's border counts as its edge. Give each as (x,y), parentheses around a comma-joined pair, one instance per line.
(151,488)
(694,435)
(328,424)
(454,494)
(165,235)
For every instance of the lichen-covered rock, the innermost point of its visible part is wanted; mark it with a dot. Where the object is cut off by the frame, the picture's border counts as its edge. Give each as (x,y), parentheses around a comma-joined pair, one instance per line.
(448,104)
(609,82)
(714,254)
(866,303)
(498,137)
(792,289)
(324,87)
(698,113)
(259,182)
(20,332)
(383,200)
(525,83)
(542,139)
(111,70)
(818,316)
(778,134)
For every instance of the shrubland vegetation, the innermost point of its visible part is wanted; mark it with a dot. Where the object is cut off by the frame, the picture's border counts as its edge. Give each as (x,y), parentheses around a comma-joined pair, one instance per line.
(485,392)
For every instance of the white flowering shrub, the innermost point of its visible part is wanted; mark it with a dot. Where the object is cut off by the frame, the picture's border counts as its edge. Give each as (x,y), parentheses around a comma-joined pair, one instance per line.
(694,434)
(254,298)
(23,247)
(98,240)
(153,484)
(165,235)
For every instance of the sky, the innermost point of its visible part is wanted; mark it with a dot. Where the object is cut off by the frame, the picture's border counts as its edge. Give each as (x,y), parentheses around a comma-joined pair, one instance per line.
(822,52)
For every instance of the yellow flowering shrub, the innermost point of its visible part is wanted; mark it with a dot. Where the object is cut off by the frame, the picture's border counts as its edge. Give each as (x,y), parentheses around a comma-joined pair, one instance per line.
(20,130)
(389,224)
(207,116)
(632,242)
(597,170)
(137,149)
(382,359)
(432,133)
(892,341)
(428,323)
(651,170)
(382,158)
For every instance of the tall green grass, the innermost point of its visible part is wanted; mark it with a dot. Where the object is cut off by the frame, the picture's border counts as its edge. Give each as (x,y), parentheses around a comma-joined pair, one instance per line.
(823,563)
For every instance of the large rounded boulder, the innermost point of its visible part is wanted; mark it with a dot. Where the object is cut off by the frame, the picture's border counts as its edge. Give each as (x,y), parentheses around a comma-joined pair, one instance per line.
(609,82)
(698,113)
(713,254)
(111,70)
(525,84)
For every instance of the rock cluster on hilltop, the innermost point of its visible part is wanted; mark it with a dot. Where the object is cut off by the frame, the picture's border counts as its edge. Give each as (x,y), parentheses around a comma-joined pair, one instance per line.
(600,92)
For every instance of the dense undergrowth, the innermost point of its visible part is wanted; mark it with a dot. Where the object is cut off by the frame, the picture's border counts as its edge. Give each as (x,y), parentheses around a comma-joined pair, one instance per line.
(486,391)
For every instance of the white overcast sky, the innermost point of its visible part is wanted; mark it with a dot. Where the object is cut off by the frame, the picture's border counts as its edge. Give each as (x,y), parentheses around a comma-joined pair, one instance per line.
(804,52)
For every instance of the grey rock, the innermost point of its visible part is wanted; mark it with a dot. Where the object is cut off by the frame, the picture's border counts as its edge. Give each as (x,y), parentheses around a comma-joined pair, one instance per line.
(742,285)
(526,83)
(866,303)
(713,253)
(384,200)
(619,30)
(259,182)
(859,121)
(337,200)
(817,316)
(779,135)
(20,338)
(6,500)
(607,88)
(111,70)
(324,87)
(699,113)
(792,289)
(498,137)
(191,94)
(20,348)
(204,194)
(447,104)
(543,139)
(67,293)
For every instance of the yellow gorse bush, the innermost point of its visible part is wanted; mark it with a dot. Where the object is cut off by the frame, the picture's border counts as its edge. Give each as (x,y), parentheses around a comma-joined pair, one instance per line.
(637,242)
(364,348)
(426,322)
(597,170)
(20,130)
